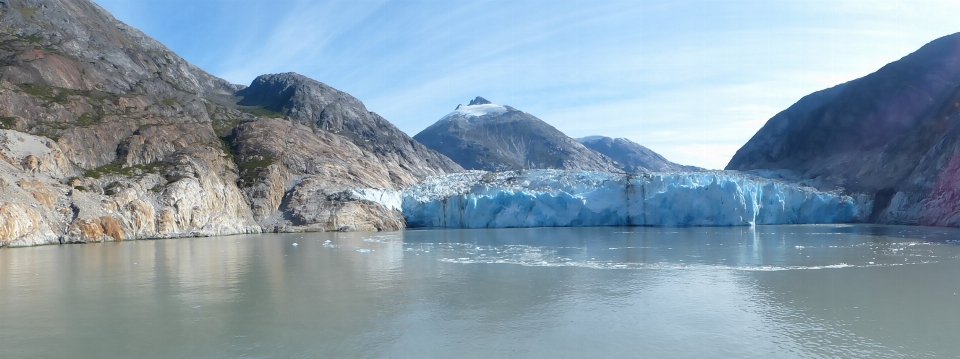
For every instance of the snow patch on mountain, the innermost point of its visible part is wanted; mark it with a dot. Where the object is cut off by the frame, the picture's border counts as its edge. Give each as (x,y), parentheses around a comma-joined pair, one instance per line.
(478,110)
(589,138)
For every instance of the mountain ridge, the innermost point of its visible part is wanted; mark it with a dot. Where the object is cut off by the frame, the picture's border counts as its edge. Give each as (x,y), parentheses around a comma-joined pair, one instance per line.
(892,134)
(487,136)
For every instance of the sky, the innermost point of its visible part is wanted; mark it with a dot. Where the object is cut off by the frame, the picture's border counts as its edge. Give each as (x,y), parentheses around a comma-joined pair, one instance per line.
(691,80)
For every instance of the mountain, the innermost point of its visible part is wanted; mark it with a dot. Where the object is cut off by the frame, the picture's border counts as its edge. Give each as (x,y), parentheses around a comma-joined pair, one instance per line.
(315,104)
(105,134)
(486,136)
(631,157)
(328,143)
(893,134)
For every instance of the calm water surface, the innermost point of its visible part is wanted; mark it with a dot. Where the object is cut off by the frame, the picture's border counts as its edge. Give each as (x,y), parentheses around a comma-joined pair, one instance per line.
(766,292)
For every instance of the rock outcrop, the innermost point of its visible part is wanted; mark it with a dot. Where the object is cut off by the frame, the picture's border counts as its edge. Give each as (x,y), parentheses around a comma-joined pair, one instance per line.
(106,135)
(324,108)
(487,136)
(191,193)
(296,170)
(893,134)
(631,157)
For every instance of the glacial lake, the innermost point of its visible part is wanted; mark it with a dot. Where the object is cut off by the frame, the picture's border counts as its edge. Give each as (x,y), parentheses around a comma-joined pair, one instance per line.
(809,291)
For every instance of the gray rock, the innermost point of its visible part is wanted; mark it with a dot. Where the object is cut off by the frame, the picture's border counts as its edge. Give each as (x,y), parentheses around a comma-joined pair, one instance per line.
(478,101)
(295,170)
(322,107)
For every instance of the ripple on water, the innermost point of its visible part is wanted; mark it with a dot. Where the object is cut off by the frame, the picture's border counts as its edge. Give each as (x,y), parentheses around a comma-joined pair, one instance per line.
(873,255)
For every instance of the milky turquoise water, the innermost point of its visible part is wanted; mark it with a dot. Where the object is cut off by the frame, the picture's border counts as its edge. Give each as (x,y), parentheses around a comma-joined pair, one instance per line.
(836,291)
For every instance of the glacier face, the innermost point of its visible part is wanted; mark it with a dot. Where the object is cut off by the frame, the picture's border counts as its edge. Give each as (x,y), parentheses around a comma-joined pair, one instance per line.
(544,198)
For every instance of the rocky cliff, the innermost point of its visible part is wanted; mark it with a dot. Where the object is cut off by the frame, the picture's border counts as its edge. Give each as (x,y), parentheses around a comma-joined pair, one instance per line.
(893,134)
(327,144)
(631,157)
(486,136)
(105,134)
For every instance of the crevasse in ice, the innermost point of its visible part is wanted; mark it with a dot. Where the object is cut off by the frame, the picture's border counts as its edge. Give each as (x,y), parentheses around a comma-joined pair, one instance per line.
(540,198)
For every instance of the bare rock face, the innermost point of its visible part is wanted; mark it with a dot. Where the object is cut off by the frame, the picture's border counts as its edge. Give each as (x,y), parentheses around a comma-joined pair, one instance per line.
(322,107)
(34,155)
(107,135)
(893,134)
(193,193)
(25,226)
(46,38)
(487,136)
(297,171)
(292,174)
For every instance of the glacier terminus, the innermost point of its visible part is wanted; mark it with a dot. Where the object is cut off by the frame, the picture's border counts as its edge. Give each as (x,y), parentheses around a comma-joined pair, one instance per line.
(556,198)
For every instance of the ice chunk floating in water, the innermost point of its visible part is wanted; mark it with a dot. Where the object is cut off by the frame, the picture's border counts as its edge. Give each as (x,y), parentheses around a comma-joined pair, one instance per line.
(543,198)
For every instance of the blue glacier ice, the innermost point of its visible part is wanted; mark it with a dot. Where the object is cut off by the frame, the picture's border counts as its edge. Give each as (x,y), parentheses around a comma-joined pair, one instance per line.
(543,198)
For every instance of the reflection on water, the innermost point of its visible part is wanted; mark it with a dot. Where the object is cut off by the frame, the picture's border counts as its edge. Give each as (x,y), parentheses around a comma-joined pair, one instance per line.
(769,291)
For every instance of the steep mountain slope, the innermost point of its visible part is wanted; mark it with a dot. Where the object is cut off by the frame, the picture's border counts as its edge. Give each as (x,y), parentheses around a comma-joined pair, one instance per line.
(105,134)
(893,133)
(315,104)
(329,144)
(487,136)
(631,157)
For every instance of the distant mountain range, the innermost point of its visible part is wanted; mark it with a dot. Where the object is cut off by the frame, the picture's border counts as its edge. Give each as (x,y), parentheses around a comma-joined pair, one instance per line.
(486,136)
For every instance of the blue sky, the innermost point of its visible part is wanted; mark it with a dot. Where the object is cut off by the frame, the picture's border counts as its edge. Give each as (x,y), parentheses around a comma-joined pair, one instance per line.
(692,80)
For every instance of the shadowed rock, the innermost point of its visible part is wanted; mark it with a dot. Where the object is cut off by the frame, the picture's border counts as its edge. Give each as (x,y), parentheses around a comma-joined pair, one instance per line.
(893,133)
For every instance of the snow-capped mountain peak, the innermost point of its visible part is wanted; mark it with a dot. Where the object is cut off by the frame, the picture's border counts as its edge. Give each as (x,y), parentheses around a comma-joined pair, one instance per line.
(484,135)
(479,106)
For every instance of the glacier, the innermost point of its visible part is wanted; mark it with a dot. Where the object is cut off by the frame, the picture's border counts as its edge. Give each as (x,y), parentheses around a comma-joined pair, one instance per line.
(546,198)
(477,110)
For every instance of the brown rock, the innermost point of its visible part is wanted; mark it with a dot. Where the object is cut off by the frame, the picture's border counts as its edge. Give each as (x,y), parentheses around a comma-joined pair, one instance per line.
(166,223)
(40,191)
(18,222)
(89,230)
(142,218)
(111,227)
